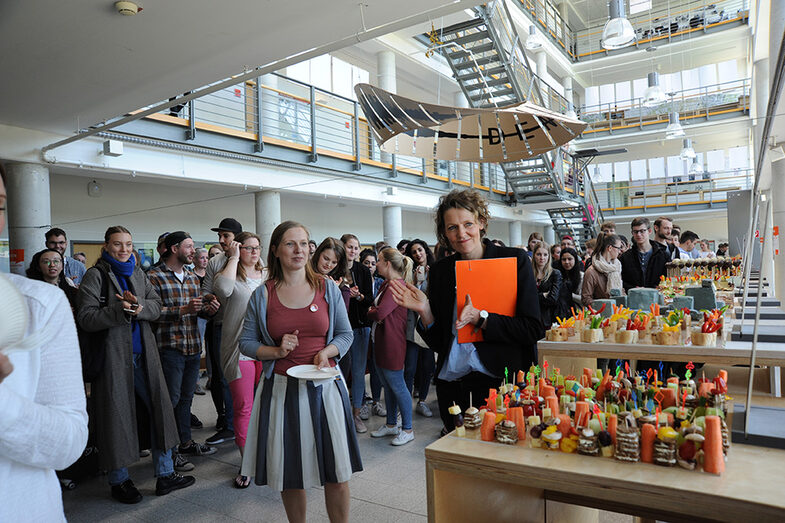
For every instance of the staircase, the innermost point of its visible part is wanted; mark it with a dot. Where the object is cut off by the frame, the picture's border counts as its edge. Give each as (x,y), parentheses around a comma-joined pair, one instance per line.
(487,60)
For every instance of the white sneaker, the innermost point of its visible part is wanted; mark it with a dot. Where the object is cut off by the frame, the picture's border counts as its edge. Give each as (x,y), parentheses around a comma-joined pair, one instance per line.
(378,410)
(402,438)
(423,410)
(384,430)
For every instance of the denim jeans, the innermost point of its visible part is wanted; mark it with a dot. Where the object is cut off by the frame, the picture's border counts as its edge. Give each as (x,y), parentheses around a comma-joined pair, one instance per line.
(219,388)
(396,396)
(181,373)
(422,358)
(162,459)
(359,355)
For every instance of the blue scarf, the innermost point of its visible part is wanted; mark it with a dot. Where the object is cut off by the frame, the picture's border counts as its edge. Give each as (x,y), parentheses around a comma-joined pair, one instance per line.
(123,271)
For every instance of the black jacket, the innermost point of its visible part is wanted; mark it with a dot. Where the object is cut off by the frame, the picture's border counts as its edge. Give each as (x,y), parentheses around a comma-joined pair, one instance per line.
(631,272)
(358,309)
(551,288)
(510,342)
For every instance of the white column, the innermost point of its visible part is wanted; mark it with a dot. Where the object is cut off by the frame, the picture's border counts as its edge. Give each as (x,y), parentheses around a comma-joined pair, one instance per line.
(29,211)
(541,61)
(516,232)
(268,216)
(269,103)
(385,78)
(462,169)
(777,195)
(392,224)
(566,83)
(548,235)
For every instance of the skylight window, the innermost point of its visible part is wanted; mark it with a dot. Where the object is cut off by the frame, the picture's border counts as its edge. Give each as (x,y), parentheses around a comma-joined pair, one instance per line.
(637,6)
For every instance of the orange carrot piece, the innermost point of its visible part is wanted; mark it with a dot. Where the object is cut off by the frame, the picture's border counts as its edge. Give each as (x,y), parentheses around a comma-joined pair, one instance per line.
(613,422)
(515,414)
(713,458)
(565,424)
(488,427)
(648,434)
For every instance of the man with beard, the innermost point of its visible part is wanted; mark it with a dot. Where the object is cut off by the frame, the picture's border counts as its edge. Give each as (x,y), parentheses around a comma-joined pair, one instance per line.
(73,269)
(177,335)
(663,232)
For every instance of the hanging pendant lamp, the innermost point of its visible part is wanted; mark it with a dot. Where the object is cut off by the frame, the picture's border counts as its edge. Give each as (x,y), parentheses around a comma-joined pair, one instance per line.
(687,152)
(534,41)
(618,31)
(653,95)
(674,129)
(695,167)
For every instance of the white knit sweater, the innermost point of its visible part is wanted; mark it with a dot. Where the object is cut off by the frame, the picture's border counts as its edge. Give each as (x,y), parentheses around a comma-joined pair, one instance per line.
(43,421)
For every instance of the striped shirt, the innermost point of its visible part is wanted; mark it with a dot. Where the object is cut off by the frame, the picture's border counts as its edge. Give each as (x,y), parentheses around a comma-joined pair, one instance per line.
(174,331)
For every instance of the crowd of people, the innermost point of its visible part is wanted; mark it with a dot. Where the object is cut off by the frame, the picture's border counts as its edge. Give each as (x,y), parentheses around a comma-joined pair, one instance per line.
(389,311)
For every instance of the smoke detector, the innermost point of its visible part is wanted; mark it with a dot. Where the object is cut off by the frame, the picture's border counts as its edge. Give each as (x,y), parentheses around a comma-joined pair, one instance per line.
(127,8)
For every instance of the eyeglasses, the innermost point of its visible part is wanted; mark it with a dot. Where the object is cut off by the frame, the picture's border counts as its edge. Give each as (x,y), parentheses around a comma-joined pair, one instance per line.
(51,263)
(639,231)
(617,247)
(251,249)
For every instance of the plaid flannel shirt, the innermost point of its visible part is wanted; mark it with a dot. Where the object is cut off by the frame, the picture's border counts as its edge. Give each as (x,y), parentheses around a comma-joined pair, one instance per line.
(172,330)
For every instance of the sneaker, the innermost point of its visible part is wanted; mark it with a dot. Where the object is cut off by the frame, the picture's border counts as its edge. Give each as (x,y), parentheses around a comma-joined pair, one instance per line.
(199,391)
(196,449)
(220,437)
(378,410)
(181,463)
(359,426)
(196,423)
(174,481)
(126,492)
(384,430)
(423,410)
(365,412)
(144,453)
(402,438)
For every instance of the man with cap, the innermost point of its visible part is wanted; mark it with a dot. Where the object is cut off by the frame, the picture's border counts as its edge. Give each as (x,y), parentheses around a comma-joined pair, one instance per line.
(219,388)
(177,334)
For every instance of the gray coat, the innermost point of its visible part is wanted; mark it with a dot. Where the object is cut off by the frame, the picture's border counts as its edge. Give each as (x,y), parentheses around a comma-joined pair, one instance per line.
(113,401)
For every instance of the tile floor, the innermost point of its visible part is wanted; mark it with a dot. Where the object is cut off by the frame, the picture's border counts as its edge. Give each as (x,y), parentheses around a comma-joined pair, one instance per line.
(391,488)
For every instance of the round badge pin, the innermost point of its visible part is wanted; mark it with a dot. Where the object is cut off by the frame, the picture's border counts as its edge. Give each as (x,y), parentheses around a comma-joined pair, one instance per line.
(314,307)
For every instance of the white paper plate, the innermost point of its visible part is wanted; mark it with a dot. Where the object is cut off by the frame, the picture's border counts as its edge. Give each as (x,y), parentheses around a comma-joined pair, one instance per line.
(312,372)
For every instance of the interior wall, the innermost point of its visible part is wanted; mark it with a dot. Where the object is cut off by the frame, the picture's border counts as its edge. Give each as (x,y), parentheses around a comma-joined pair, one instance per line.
(710,228)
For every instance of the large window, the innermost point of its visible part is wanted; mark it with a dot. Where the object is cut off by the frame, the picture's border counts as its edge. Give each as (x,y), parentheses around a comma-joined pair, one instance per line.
(738,158)
(638,170)
(656,167)
(621,171)
(329,73)
(715,160)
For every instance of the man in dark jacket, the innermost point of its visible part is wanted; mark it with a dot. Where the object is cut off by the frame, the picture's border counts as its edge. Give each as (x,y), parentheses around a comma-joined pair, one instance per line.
(644,263)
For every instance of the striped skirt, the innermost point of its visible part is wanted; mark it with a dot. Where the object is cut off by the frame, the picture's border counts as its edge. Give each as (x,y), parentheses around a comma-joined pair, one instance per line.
(301,434)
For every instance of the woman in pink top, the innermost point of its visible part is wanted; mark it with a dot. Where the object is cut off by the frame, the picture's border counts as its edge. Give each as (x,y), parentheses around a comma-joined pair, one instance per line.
(389,340)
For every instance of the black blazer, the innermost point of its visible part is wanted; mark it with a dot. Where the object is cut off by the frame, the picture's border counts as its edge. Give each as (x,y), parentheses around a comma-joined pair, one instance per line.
(358,309)
(631,272)
(510,342)
(550,302)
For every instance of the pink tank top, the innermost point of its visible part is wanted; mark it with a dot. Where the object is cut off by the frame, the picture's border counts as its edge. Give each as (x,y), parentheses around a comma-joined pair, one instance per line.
(312,324)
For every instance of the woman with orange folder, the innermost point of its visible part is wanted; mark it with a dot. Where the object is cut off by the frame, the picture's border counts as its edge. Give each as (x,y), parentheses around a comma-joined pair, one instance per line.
(509,342)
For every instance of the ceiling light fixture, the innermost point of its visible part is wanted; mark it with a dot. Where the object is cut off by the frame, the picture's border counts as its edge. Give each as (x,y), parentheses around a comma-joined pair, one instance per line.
(653,95)
(695,167)
(534,41)
(127,8)
(687,152)
(618,31)
(94,189)
(674,129)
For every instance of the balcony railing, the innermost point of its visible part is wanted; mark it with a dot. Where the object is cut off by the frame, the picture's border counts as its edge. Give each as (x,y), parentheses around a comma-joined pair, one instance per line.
(549,21)
(295,115)
(667,24)
(707,101)
(708,188)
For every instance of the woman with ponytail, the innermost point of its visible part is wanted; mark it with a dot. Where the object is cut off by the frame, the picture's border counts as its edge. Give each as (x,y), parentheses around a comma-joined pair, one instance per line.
(389,341)
(604,273)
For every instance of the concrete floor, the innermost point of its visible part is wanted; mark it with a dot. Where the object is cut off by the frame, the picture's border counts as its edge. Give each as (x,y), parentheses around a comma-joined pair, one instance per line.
(391,488)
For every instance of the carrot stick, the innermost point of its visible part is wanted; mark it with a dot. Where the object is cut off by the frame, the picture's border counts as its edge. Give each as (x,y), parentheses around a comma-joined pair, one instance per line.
(713,460)
(565,424)
(515,414)
(613,422)
(488,427)
(648,433)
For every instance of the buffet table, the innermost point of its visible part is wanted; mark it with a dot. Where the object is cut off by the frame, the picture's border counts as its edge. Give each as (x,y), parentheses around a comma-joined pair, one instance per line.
(473,480)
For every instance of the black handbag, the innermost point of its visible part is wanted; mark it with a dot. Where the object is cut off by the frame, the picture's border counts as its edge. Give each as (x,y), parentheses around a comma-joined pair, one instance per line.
(92,344)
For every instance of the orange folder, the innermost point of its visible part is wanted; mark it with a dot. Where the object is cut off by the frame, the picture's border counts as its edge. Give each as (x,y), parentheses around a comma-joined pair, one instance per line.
(492,285)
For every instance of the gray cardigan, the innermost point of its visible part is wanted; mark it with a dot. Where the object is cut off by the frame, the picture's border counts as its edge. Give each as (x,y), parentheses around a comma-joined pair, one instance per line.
(254,332)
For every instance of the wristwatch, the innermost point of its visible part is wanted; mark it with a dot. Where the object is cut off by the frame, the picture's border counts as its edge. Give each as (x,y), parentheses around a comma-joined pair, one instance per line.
(483,318)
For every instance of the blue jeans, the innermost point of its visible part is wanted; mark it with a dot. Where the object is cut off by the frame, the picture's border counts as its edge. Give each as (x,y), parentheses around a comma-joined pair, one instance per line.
(162,459)
(359,355)
(219,387)
(181,373)
(396,396)
(422,357)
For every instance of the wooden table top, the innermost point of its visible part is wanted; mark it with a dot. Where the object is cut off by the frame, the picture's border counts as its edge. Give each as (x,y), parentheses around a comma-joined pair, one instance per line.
(732,353)
(752,487)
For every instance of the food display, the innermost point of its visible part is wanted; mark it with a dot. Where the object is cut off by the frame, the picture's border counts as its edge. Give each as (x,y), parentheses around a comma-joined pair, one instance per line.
(655,327)
(628,417)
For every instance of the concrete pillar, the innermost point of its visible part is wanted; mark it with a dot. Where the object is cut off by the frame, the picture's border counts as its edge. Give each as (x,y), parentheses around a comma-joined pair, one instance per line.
(462,169)
(777,195)
(541,61)
(29,211)
(269,101)
(516,234)
(386,79)
(392,224)
(268,217)
(548,235)
(566,83)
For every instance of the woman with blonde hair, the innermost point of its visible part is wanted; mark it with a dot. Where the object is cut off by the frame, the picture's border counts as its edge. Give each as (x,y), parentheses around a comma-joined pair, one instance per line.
(548,282)
(242,274)
(301,433)
(388,334)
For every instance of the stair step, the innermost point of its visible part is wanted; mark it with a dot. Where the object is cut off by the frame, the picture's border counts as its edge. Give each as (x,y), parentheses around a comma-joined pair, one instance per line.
(493,82)
(462,26)
(469,38)
(477,49)
(477,75)
(485,60)
(494,94)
